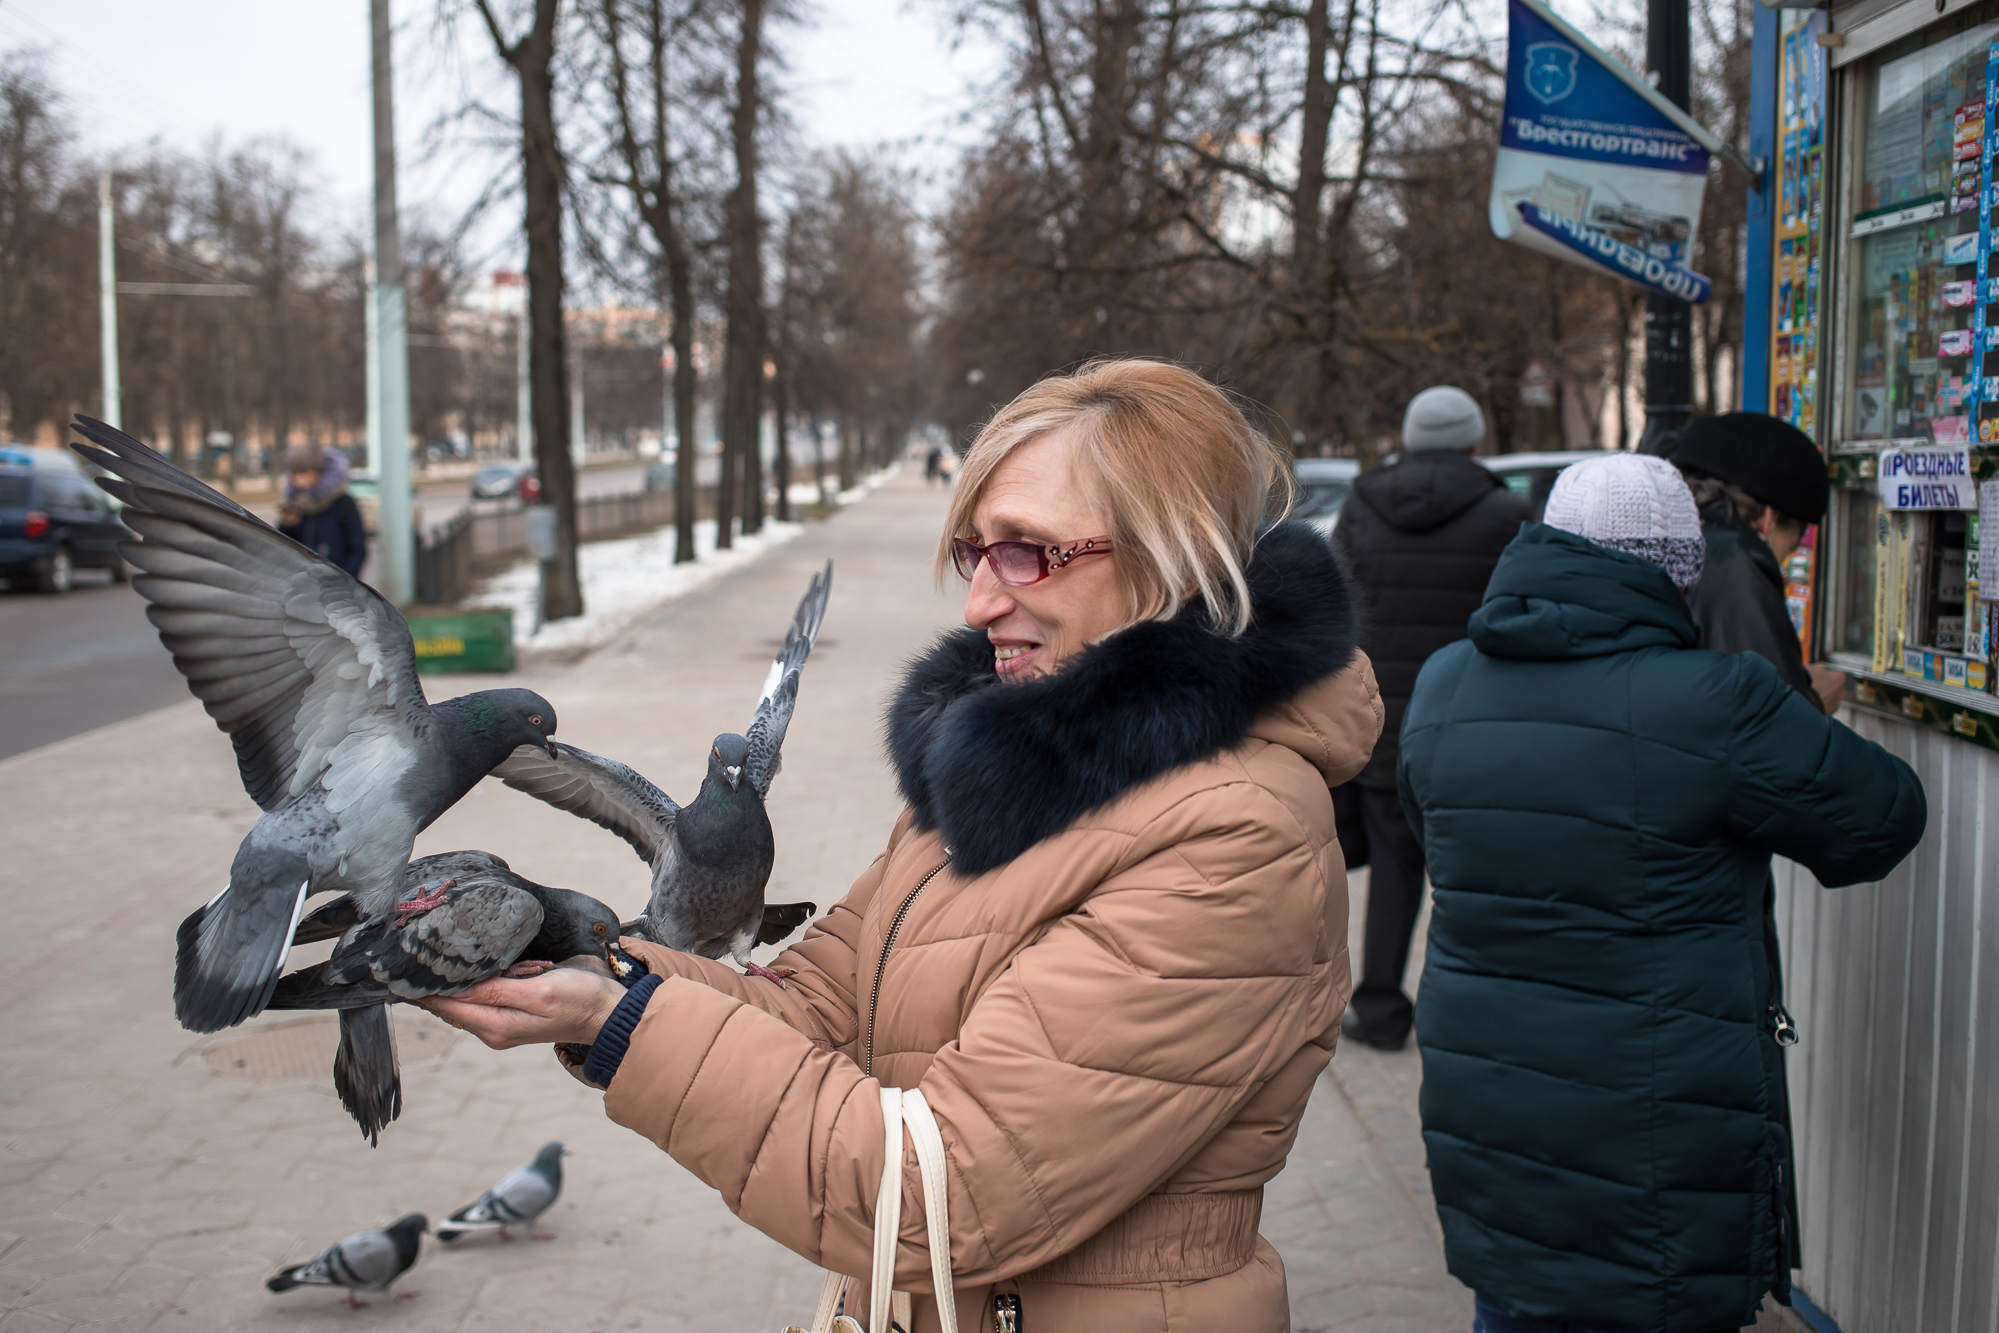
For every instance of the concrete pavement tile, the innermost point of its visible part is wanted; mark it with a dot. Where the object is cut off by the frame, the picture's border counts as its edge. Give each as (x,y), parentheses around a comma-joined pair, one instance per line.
(33,1321)
(86,1310)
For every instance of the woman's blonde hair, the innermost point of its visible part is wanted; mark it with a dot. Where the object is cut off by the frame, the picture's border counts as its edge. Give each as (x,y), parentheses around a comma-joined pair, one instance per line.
(1183,477)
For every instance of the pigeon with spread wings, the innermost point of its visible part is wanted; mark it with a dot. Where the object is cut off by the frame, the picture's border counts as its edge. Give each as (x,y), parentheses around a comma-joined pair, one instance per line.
(312,676)
(712,857)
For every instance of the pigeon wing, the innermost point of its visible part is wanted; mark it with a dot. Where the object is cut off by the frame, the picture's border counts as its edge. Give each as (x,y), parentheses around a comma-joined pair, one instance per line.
(780,691)
(366,1259)
(600,790)
(525,1193)
(304,667)
(474,934)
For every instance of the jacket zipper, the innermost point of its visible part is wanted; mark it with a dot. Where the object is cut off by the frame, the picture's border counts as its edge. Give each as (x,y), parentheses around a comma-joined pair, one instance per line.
(888,946)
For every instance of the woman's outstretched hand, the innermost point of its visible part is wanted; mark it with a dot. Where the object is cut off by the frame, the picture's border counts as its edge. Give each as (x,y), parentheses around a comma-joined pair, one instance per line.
(566,1003)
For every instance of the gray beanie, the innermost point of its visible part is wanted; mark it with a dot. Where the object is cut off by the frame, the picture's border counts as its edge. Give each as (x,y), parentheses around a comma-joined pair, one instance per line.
(1634,503)
(1441,418)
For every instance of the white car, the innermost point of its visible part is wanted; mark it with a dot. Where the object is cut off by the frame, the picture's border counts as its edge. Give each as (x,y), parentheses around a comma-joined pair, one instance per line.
(1532,476)
(1323,485)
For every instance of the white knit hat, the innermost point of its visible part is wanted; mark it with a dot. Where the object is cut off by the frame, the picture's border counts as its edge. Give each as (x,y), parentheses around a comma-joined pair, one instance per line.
(1442,417)
(1634,503)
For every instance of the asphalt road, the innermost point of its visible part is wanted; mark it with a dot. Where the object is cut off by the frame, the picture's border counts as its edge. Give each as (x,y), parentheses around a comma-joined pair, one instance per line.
(78,661)
(72,663)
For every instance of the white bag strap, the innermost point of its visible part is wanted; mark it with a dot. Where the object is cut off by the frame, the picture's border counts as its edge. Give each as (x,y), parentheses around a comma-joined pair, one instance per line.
(929,1146)
(888,1205)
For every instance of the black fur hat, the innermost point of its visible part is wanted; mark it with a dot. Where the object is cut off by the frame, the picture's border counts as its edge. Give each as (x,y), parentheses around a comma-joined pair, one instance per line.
(1772,460)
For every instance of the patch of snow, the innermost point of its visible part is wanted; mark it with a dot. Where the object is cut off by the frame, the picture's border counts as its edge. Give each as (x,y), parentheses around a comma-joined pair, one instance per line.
(623,579)
(869,485)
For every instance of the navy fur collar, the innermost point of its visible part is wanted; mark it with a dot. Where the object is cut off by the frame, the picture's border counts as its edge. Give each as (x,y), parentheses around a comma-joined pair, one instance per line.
(995,769)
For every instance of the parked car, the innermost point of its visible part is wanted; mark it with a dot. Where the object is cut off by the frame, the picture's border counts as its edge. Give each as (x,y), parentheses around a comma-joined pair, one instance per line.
(659,477)
(496,482)
(53,521)
(1323,484)
(366,488)
(1533,475)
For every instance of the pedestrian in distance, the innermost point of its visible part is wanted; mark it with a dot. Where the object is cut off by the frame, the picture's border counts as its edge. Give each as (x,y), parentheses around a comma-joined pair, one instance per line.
(1759,484)
(933,463)
(1106,940)
(317,512)
(1598,799)
(1420,537)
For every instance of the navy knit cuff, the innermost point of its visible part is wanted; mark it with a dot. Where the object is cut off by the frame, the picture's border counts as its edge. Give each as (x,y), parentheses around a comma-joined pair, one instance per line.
(608,1051)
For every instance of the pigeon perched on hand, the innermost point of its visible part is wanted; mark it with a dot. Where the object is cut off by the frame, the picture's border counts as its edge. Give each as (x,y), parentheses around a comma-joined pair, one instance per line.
(711,858)
(313,677)
(486,922)
(365,1261)
(523,1194)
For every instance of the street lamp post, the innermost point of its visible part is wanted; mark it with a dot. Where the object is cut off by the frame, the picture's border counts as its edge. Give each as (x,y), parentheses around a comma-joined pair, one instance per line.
(395,563)
(107,304)
(1669,323)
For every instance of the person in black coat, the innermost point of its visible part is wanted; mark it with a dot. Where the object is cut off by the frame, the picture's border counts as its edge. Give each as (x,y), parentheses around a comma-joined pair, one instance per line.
(1420,537)
(318,513)
(1759,483)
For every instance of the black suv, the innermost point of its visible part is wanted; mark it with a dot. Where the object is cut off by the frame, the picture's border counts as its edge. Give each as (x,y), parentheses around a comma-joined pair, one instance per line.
(53,521)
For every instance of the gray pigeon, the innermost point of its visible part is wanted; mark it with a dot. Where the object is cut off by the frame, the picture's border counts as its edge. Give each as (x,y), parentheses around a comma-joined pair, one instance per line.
(523,1194)
(313,677)
(365,1261)
(710,859)
(488,922)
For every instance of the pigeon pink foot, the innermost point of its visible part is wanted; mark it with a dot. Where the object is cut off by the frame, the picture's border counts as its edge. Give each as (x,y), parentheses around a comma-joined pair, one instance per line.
(355,1302)
(541,1235)
(778,974)
(531,968)
(408,1295)
(411,908)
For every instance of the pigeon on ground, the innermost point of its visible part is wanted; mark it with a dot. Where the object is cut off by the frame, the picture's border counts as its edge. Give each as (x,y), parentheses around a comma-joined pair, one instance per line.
(523,1194)
(486,922)
(366,1261)
(710,859)
(313,677)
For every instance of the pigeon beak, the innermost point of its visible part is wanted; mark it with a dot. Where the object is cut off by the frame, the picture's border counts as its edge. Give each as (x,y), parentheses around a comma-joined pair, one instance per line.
(734,773)
(553,753)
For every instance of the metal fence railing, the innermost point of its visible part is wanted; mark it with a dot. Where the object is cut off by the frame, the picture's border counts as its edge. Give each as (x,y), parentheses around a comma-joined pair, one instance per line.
(453,556)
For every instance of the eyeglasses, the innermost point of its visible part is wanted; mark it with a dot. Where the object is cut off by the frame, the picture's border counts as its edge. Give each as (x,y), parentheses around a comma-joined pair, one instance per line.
(1019,564)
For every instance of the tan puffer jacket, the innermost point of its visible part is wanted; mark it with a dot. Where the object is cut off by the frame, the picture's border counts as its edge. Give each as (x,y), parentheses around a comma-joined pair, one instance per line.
(1117,1021)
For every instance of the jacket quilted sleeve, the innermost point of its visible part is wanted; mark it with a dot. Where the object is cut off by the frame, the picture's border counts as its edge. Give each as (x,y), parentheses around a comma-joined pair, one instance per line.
(1808,788)
(818,999)
(1101,1060)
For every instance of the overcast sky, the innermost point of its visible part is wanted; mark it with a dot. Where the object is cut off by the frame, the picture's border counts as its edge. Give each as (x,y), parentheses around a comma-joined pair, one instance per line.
(864,72)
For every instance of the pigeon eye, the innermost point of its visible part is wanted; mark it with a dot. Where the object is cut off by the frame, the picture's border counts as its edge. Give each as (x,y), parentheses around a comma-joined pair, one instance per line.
(534,719)
(600,928)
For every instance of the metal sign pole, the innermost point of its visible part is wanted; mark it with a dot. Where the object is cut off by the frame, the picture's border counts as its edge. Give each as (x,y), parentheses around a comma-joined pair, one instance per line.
(1669,323)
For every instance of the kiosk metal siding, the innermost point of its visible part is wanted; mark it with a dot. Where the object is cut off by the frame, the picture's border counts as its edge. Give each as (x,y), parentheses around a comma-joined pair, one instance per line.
(1895,1086)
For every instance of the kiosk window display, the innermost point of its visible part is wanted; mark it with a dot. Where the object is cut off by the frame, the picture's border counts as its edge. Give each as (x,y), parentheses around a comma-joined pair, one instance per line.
(1915,430)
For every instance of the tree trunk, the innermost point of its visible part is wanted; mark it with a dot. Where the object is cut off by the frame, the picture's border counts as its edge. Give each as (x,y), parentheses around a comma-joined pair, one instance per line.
(742,374)
(533,59)
(781,389)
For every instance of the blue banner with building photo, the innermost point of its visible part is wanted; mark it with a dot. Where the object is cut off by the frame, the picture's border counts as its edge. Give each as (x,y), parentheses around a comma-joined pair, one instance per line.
(1594,167)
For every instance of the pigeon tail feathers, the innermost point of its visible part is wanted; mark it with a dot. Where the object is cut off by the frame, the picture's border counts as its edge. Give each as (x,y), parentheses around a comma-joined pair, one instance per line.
(365,1073)
(230,950)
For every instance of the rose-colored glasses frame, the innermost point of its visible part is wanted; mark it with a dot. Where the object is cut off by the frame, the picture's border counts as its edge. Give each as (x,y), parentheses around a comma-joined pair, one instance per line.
(966,554)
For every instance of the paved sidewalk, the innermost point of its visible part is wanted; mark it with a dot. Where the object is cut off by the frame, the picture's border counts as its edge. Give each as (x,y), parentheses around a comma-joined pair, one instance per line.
(152,1179)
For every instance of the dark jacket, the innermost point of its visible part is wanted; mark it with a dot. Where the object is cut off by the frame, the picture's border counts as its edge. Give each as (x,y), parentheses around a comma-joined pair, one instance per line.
(1738,606)
(1420,538)
(1603,1100)
(334,531)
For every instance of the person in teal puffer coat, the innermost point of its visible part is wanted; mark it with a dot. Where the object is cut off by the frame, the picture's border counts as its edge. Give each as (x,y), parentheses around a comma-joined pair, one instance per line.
(1598,800)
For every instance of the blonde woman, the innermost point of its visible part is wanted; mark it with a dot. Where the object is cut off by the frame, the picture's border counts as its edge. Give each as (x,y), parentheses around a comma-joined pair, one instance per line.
(1107,939)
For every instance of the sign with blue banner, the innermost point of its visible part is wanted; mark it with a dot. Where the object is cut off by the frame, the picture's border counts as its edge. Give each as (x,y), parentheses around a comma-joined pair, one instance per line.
(1594,166)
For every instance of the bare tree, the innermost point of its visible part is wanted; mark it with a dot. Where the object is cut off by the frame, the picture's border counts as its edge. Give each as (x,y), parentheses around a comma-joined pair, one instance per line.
(532,57)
